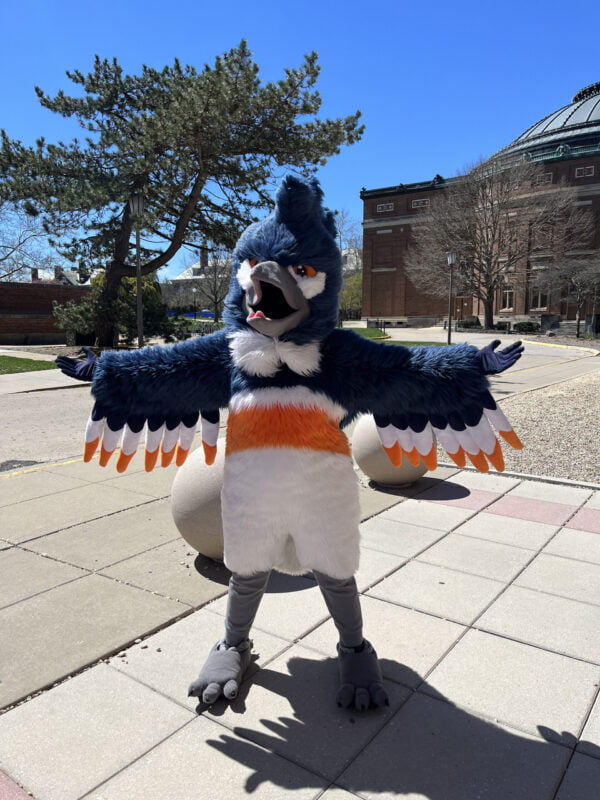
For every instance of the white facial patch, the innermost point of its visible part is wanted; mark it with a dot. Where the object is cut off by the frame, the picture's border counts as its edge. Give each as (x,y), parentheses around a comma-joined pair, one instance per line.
(310,287)
(244,274)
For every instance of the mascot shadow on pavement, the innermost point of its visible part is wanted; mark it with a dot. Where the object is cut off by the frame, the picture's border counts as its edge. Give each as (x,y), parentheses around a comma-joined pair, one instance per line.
(292,381)
(423,746)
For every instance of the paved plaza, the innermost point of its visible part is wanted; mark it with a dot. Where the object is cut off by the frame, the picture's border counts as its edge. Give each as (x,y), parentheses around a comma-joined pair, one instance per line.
(481,594)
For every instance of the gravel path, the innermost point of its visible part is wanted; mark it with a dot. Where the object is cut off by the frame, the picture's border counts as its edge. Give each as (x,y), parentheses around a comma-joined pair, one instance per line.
(559,428)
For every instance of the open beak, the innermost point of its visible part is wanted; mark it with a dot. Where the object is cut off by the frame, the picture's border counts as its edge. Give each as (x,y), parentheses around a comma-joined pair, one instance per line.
(275,303)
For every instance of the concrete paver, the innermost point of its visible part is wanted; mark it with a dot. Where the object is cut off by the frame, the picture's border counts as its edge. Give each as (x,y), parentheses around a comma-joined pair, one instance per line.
(555,623)
(563,576)
(535,510)
(204,760)
(568,495)
(517,684)
(24,575)
(398,538)
(586,519)
(428,515)
(590,738)
(167,570)
(9,790)
(446,593)
(582,779)
(22,522)
(477,557)
(580,545)
(36,484)
(84,731)
(450,494)
(434,750)
(593,502)
(374,567)
(109,540)
(496,528)
(489,481)
(53,634)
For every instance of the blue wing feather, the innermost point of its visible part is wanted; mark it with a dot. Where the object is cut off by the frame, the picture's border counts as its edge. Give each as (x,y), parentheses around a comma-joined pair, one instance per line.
(168,388)
(418,395)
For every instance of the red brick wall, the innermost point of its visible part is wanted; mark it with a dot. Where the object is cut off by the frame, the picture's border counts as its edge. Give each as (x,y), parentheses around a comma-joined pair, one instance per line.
(26,311)
(387,292)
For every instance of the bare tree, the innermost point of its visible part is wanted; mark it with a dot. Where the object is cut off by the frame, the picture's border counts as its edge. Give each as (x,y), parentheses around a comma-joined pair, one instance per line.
(496,217)
(213,282)
(579,280)
(206,286)
(23,244)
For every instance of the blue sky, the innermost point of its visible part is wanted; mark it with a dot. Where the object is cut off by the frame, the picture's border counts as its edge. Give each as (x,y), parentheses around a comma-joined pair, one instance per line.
(439,84)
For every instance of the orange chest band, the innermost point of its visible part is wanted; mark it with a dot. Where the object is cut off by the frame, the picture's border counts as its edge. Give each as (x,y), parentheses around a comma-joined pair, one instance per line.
(284,426)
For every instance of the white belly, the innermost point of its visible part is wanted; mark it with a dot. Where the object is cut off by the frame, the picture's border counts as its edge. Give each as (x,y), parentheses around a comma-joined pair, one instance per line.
(292,510)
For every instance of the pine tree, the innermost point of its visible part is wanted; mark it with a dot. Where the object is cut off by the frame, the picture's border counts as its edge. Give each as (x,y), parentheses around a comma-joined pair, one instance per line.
(202,147)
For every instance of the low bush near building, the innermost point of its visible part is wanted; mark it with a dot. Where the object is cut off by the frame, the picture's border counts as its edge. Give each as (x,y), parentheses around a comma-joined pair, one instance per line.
(526,327)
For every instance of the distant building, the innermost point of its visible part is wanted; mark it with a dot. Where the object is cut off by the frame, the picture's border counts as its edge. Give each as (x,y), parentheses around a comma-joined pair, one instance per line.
(566,142)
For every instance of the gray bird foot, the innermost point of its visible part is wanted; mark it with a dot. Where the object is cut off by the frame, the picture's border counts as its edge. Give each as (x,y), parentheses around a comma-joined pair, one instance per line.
(222,672)
(360,678)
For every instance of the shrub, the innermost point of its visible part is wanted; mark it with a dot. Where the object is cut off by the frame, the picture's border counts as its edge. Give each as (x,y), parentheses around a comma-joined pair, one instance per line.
(78,319)
(526,327)
(470,322)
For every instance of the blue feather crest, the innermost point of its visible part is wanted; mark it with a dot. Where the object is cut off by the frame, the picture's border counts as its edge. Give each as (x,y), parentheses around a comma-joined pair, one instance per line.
(299,231)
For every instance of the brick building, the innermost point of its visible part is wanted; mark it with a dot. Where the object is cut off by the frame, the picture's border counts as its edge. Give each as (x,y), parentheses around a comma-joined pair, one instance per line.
(26,311)
(566,143)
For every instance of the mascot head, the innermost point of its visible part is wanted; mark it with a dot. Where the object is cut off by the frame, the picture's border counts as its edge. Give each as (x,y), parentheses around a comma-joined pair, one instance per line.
(287,269)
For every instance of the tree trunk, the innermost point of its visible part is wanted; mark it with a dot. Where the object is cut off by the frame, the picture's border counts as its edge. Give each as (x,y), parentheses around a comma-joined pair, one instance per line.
(488,311)
(106,331)
(578,322)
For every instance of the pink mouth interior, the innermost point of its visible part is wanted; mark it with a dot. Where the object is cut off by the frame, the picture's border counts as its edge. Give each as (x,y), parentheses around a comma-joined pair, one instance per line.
(257,315)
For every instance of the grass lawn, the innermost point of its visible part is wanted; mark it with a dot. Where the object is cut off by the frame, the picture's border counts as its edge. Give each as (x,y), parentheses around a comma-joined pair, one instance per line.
(376,333)
(10,364)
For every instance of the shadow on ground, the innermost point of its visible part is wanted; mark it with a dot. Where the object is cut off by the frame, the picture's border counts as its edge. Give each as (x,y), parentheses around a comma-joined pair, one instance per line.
(423,746)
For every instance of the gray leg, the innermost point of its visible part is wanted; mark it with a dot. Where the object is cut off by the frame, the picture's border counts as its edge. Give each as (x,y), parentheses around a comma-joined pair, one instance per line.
(341,597)
(228,660)
(360,673)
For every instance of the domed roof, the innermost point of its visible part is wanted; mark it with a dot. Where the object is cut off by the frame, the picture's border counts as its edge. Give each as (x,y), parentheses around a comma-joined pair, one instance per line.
(575,129)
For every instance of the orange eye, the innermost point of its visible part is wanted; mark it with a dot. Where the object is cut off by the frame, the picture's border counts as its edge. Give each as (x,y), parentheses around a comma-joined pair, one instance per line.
(253,262)
(304,271)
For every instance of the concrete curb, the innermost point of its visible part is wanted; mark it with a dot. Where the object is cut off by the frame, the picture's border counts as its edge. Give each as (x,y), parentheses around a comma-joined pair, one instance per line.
(590,350)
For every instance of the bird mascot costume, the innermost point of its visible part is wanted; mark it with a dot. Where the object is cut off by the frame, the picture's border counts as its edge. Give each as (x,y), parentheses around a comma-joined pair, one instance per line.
(292,381)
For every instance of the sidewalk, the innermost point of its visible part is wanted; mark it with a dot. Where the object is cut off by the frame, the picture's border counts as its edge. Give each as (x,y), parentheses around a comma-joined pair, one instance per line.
(481,594)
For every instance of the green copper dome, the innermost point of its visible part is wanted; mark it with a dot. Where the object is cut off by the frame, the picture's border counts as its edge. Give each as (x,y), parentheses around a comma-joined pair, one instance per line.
(571,131)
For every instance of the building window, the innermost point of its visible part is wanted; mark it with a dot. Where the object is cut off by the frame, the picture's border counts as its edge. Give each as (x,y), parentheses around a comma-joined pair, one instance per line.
(539,298)
(420,203)
(381,207)
(507,300)
(545,177)
(584,172)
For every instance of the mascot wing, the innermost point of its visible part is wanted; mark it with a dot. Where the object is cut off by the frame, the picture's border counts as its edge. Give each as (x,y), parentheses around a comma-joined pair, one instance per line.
(165,389)
(422,394)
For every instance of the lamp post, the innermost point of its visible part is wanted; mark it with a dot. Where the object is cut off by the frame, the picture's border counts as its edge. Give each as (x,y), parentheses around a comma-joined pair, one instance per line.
(136,207)
(194,290)
(451,255)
